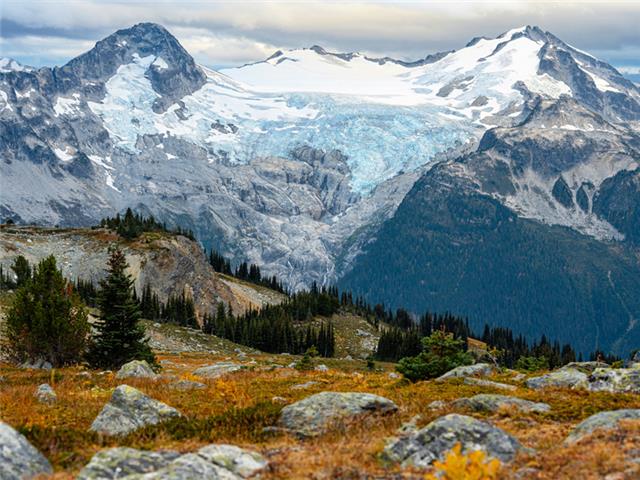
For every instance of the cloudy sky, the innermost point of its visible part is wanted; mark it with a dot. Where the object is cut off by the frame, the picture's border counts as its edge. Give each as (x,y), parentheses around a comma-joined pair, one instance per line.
(224,33)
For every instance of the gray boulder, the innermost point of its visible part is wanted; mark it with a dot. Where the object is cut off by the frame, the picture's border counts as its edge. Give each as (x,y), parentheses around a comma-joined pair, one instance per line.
(217,369)
(187,385)
(493,403)
(423,447)
(586,367)
(19,460)
(475,370)
(317,413)
(188,467)
(240,461)
(615,380)
(45,394)
(481,382)
(121,461)
(136,369)
(129,409)
(605,420)
(564,378)
(303,386)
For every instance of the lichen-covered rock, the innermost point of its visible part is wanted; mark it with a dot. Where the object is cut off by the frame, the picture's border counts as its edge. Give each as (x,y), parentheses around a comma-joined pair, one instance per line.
(421,448)
(240,461)
(136,369)
(586,367)
(481,382)
(19,460)
(615,380)
(119,462)
(129,409)
(317,413)
(303,386)
(46,394)
(605,420)
(493,403)
(475,370)
(217,369)
(187,385)
(188,467)
(564,378)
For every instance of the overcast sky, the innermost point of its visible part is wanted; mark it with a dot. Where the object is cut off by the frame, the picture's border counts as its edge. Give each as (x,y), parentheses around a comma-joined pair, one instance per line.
(216,33)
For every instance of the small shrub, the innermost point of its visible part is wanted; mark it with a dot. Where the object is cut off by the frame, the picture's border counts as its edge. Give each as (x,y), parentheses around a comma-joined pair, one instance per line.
(470,466)
(532,364)
(441,353)
(306,362)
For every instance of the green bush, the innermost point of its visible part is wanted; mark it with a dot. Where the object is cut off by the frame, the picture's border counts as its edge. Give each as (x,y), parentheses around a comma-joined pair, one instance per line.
(47,320)
(532,364)
(441,353)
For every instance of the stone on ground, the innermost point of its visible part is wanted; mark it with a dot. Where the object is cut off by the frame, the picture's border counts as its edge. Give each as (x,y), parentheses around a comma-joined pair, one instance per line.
(303,386)
(586,367)
(45,394)
(136,369)
(563,378)
(187,385)
(475,370)
(188,467)
(492,403)
(217,369)
(19,460)
(240,461)
(604,420)
(617,380)
(122,461)
(421,448)
(128,410)
(481,382)
(316,414)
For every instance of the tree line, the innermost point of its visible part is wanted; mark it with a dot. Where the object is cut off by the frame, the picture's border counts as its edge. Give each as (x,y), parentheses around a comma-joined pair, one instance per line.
(132,225)
(244,271)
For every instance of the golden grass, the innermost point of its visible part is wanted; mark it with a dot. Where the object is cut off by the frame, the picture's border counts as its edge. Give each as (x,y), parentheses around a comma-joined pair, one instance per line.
(236,408)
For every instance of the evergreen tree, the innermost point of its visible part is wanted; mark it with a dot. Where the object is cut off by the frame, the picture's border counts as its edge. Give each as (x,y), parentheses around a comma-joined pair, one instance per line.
(120,338)
(47,320)
(22,269)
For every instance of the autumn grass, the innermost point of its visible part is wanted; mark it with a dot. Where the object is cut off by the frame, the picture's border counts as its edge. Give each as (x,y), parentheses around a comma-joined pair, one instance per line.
(235,409)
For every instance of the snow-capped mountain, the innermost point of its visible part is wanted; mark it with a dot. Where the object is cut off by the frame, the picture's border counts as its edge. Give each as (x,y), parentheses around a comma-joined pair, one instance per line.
(295,161)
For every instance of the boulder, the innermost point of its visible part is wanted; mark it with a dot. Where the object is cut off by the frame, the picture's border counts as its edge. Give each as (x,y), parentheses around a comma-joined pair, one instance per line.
(321,368)
(120,462)
(136,369)
(605,420)
(475,370)
(129,409)
(564,378)
(19,460)
(45,394)
(240,461)
(188,467)
(492,403)
(303,386)
(217,369)
(586,367)
(481,382)
(424,446)
(187,385)
(317,413)
(615,380)
(37,365)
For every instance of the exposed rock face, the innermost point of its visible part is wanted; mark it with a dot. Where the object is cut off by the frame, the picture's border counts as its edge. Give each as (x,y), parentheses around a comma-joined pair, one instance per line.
(564,378)
(615,380)
(136,369)
(316,414)
(215,462)
(421,448)
(217,369)
(120,462)
(19,460)
(46,394)
(130,409)
(493,403)
(478,369)
(604,420)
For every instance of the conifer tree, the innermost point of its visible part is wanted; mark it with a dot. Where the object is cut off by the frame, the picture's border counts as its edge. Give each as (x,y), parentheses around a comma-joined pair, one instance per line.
(120,338)
(22,269)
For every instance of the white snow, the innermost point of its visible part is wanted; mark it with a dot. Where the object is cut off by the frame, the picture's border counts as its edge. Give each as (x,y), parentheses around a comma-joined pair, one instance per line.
(10,65)
(601,83)
(160,63)
(67,106)
(65,155)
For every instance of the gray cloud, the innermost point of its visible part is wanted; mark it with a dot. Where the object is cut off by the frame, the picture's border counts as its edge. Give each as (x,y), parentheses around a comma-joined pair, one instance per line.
(227,33)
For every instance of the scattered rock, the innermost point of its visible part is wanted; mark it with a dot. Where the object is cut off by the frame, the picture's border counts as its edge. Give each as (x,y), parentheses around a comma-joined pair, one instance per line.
(477,369)
(292,365)
(83,374)
(19,460)
(121,461)
(187,385)
(321,368)
(492,403)
(607,420)
(566,377)
(586,367)
(488,383)
(278,399)
(244,463)
(615,380)
(46,394)
(317,413)
(421,448)
(129,409)
(394,375)
(37,365)
(136,369)
(410,426)
(303,386)
(437,405)
(217,369)
(189,467)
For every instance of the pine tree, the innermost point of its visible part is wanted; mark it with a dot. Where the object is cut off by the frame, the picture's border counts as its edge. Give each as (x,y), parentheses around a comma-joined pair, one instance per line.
(47,320)
(120,338)
(22,269)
